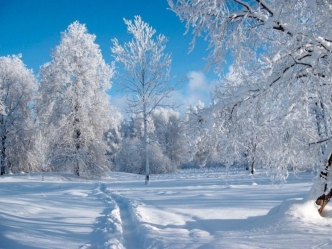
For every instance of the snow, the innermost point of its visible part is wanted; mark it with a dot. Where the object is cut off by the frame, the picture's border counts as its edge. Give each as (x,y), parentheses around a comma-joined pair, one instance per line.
(189,209)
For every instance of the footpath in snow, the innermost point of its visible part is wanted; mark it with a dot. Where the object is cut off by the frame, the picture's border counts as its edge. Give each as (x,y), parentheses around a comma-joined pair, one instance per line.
(191,209)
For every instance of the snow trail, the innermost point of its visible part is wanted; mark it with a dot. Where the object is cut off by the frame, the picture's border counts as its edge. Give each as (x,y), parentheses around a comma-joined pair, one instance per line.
(116,225)
(129,228)
(108,229)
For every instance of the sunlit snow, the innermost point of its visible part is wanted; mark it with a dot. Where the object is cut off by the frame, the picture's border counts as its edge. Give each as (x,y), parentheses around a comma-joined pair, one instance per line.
(190,209)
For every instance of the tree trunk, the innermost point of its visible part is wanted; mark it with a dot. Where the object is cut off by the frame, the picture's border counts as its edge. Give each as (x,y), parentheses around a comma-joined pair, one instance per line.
(246,160)
(77,130)
(320,187)
(77,166)
(3,155)
(146,147)
(324,176)
(253,166)
(253,151)
(321,121)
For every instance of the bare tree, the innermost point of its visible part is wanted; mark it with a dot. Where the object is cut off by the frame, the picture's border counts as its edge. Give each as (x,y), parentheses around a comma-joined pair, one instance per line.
(147,73)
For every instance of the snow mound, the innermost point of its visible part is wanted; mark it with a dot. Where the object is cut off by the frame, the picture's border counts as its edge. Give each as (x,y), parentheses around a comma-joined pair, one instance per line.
(297,208)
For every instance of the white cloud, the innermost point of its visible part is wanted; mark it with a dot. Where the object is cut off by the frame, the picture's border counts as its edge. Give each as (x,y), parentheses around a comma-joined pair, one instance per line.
(198,89)
(120,102)
(197,81)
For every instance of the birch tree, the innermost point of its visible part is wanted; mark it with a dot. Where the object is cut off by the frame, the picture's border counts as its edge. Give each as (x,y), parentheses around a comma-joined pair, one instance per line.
(147,72)
(286,46)
(74,103)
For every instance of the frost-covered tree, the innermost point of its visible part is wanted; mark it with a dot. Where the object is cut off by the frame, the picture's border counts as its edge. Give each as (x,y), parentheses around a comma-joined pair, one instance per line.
(147,72)
(202,143)
(164,128)
(198,138)
(74,109)
(18,89)
(169,134)
(114,134)
(286,47)
(131,158)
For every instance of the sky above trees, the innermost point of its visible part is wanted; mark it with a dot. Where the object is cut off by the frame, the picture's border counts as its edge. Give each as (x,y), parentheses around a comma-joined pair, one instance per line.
(33,29)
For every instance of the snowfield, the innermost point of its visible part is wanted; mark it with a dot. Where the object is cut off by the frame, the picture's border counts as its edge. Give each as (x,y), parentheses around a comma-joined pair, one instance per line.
(189,209)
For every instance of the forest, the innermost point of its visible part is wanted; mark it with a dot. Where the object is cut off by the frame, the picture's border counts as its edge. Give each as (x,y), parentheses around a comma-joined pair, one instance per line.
(273,110)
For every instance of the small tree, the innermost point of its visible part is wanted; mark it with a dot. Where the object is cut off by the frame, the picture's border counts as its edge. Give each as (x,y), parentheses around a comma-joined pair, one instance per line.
(147,73)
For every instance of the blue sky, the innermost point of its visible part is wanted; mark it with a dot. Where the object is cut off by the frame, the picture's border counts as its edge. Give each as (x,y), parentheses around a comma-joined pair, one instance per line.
(33,28)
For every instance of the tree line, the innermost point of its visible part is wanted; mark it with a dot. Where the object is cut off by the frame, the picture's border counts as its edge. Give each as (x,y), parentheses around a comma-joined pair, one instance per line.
(64,121)
(272,110)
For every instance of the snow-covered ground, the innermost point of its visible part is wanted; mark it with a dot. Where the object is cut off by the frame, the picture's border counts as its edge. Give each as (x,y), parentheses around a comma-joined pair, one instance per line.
(191,209)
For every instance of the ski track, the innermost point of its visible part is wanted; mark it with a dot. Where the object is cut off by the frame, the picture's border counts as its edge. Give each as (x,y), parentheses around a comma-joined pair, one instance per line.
(116,225)
(108,228)
(130,236)
(324,245)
